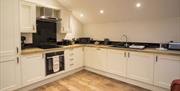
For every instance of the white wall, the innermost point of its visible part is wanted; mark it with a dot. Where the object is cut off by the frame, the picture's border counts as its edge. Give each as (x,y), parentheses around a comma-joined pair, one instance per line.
(157,30)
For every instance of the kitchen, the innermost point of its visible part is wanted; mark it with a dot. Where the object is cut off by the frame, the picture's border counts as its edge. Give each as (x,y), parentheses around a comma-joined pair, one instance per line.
(85,45)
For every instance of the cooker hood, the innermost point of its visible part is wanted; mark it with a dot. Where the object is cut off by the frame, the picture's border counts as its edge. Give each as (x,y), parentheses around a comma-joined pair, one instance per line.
(47,13)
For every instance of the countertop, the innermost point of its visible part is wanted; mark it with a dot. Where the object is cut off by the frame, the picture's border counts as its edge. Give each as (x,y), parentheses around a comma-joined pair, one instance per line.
(146,50)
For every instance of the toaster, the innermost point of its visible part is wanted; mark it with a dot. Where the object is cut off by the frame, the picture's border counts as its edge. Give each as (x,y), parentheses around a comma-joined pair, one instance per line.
(174,46)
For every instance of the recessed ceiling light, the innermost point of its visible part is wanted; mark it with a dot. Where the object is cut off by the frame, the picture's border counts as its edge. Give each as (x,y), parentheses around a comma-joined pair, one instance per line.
(101,11)
(138,5)
(81,15)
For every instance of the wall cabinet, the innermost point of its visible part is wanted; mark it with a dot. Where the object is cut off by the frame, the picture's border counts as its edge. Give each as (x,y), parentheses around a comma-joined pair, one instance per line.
(73,58)
(116,62)
(33,68)
(167,69)
(65,23)
(140,66)
(27,17)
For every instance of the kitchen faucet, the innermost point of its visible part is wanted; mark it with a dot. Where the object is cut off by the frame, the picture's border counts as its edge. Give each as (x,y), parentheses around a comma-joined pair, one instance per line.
(125,36)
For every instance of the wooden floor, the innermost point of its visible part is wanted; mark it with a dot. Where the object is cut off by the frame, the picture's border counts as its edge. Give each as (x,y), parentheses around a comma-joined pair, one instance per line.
(88,81)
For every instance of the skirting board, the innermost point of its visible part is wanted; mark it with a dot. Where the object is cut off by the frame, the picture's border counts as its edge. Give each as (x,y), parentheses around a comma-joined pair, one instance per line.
(43,82)
(126,80)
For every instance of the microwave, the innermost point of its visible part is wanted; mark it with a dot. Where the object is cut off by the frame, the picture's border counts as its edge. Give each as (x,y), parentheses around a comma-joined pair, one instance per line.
(174,46)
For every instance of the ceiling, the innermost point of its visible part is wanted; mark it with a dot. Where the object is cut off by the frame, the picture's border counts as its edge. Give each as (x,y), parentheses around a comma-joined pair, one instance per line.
(121,10)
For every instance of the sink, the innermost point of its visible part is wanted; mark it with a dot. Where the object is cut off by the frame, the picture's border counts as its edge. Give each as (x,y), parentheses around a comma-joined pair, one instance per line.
(118,46)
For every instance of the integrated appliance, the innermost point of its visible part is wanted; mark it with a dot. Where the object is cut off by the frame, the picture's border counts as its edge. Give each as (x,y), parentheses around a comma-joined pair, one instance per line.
(54,62)
(84,40)
(174,46)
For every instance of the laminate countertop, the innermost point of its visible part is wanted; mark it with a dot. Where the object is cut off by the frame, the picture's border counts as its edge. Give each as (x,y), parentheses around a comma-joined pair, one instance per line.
(146,50)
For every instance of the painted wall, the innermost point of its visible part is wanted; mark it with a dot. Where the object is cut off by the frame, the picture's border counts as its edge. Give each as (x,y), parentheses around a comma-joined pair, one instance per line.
(157,30)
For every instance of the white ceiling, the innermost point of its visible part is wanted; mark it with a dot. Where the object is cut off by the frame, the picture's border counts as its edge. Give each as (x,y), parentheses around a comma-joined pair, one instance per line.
(121,10)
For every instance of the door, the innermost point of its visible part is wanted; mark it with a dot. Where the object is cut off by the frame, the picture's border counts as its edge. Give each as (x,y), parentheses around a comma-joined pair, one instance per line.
(9,75)
(79,55)
(9,43)
(65,23)
(100,59)
(167,69)
(90,57)
(27,17)
(33,68)
(116,62)
(140,67)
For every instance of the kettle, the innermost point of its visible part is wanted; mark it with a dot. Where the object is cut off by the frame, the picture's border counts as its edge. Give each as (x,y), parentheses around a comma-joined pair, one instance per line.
(106,41)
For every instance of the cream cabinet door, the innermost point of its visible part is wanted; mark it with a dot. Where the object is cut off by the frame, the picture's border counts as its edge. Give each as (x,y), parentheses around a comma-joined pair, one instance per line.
(33,68)
(9,75)
(140,67)
(65,23)
(79,55)
(101,59)
(90,57)
(167,69)
(27,17)
(116,62)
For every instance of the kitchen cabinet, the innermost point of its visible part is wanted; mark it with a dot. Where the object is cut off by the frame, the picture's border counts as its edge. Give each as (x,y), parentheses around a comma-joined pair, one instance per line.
(90,57)
(27,17)
(79,57)
(96,58)
(65,23)
(33,68)
(116,62)
(167,69)
(9,75)
(140,67)
(73,58)
(9,45)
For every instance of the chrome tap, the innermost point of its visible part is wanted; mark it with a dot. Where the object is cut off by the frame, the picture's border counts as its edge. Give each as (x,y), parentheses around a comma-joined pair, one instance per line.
(126,39)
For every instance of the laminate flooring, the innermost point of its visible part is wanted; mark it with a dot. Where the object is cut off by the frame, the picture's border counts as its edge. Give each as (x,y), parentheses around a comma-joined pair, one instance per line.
(87,81)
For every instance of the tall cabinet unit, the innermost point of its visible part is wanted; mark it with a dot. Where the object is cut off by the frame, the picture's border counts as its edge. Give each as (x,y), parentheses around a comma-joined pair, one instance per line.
(9,39)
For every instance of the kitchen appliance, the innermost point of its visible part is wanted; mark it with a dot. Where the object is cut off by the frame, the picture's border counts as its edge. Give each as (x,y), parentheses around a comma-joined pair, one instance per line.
(23,38)
(50,62)
(84,40)
(106,41)
(66,42)
(174,46)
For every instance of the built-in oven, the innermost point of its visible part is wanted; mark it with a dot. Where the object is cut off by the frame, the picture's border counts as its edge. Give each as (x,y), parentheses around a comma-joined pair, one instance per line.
(54,62)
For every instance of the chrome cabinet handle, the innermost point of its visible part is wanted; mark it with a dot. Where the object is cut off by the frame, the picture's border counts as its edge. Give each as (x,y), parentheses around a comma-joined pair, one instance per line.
(156,58)
(128,55)
(125,54)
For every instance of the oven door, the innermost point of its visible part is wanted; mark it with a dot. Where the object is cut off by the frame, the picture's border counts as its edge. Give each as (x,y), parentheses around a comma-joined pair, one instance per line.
(49,66)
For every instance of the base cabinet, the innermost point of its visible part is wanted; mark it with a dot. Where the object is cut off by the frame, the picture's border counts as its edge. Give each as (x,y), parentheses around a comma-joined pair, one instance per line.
(73,58)
(9,75)
(167,69)
(116,62)
(96,58)
(140,67)
(33,68)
